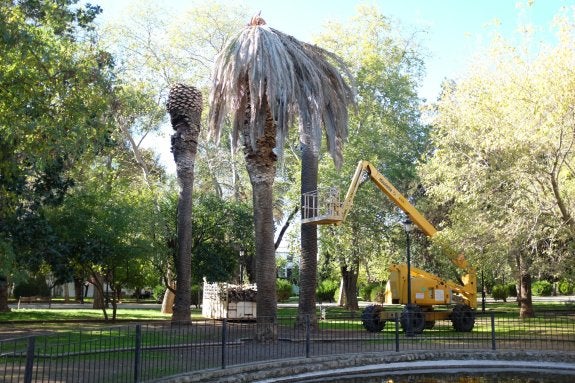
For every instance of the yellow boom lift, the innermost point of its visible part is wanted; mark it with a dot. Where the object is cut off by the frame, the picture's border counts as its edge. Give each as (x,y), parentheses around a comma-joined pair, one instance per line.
(428,291)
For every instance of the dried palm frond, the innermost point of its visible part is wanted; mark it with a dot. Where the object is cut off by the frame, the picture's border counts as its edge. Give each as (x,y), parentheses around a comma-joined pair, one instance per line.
(262,65)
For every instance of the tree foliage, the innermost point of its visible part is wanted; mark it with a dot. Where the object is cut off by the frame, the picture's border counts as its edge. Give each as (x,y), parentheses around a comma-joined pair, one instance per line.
(385,130)
(55,87)
(503,155)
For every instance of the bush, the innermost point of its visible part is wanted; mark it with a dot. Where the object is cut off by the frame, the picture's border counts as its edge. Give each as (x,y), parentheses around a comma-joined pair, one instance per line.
(511,290)
(33,287)
(377,294)
(158,292)
(500,292)
(196,295)
(325,292)
(283,289)
(542,288)
(565,287)
(365,290)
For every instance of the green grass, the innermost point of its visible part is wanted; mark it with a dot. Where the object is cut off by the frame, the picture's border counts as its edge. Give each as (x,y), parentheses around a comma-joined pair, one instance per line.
(55,319)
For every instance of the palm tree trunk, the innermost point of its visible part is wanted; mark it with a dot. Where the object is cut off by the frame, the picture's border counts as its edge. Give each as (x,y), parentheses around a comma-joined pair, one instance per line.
(266,264)
(308,265)
(184,147)
(185,108)
(185,174)
(261,166)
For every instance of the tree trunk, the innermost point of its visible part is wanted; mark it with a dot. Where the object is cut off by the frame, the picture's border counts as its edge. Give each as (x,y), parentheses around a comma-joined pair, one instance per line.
(524,296)
(184,147)
(349,278)
(168,302)
(185,108)
(261,165)
(4,308)
(78,290)
(99,298)
(266,304)
(308,262)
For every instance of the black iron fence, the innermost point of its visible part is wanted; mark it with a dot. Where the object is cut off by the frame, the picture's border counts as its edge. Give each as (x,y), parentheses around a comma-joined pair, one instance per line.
(145,352)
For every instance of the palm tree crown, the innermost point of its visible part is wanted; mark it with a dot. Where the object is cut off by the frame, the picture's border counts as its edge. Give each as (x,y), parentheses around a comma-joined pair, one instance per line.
(293,77)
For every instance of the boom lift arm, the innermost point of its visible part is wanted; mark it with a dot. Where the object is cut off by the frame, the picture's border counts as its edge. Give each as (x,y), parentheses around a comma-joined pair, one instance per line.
(335,212)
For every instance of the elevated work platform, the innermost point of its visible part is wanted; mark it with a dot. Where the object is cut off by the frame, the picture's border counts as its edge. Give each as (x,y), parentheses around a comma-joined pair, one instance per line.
(322,207)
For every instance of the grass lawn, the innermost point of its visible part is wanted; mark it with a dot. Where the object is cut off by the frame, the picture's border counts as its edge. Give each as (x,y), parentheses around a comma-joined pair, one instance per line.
(31,315)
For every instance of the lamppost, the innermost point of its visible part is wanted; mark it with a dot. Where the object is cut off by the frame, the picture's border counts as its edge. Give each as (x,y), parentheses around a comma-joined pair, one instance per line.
(241,266)
(408,227)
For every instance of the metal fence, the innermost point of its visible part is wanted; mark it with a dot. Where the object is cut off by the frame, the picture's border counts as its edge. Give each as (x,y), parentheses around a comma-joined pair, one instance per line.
(144,352)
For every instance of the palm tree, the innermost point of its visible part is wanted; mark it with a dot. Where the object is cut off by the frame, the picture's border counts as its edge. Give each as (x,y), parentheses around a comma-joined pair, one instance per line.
(266,78)
(185,108)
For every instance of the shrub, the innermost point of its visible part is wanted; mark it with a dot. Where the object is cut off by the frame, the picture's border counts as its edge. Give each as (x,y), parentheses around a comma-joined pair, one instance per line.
(500,292)
(33,287)
(283,289)
(196,295)
(511,290)
(377,294)
(565,287)
(325,292)
(542,288)
(365,290)
(158,292)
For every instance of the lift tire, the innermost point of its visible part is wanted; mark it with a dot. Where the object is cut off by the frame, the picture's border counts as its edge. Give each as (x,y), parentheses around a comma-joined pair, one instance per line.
(463,318)
(371,319)
(417,319)
(429,324)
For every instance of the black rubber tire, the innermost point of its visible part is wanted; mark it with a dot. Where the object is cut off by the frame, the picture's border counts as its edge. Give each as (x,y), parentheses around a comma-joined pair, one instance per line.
(417,319)
(463,318)
(371,319)
(429,324)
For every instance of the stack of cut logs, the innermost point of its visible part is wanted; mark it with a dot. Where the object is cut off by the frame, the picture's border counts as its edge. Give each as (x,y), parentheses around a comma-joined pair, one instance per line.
(238,293)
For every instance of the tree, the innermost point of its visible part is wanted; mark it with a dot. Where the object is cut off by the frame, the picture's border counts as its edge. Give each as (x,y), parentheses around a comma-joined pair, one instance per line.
(154,48)
(502,159)
(101,232)
(222,228)
(264,75)
(185,108)
(55,95)
(386,130)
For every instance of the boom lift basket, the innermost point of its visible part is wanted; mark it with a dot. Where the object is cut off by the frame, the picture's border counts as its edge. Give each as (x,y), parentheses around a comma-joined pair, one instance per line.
(322,207)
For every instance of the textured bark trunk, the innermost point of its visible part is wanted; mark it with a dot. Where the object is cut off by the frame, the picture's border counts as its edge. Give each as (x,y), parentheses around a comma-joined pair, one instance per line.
(266,304)
(261,165)
(184,147)
(349,288)
(99,299)
(168,302)
(4,308)
(78,290)
(524,296)
(185,108)
(308,262)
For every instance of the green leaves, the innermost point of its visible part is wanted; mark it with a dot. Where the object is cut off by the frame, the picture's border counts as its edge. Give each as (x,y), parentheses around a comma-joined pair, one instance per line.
(503,151)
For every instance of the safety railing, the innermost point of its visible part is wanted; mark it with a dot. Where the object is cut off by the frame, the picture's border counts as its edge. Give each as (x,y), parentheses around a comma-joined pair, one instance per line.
(144,352)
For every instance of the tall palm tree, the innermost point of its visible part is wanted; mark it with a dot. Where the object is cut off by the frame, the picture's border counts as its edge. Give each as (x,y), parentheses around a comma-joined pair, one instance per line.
(266,79)
(185,108)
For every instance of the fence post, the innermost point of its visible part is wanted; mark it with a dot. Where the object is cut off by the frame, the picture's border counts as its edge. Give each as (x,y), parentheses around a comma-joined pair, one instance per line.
(307,336)
(224,335)
(396,321)
(29,360)
(137,353)
(492,331)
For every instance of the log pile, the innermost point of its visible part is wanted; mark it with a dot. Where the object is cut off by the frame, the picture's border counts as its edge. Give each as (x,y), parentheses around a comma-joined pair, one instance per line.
(237,293)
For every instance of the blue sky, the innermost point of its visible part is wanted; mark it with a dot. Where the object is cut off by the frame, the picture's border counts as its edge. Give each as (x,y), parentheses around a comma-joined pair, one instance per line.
(451,30)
